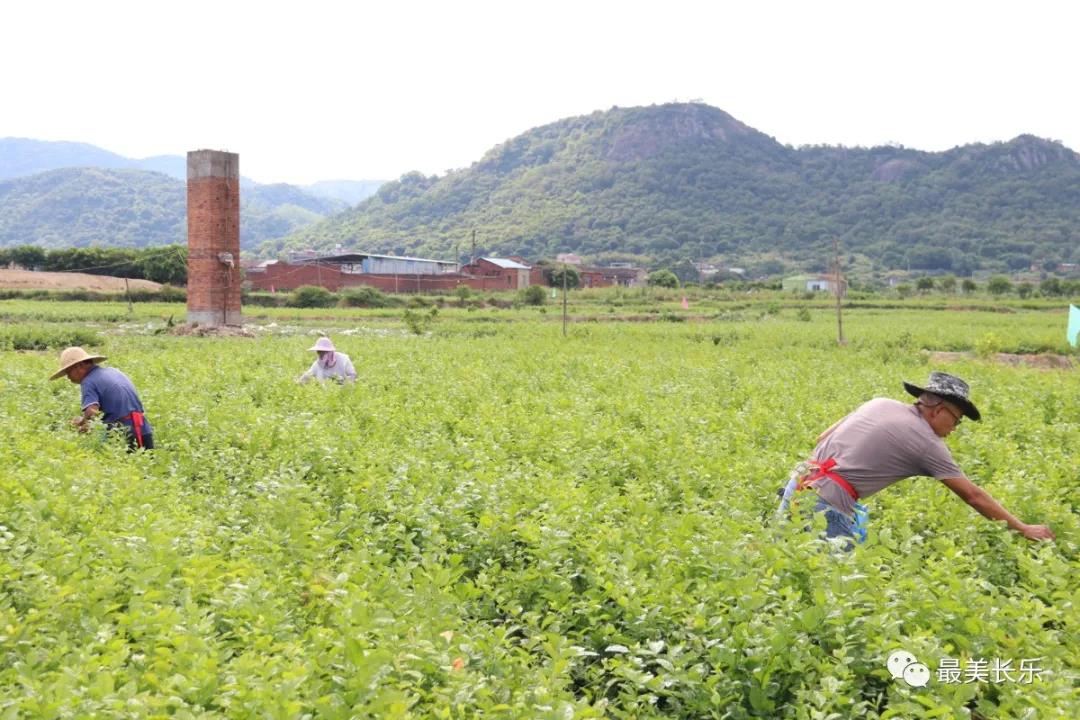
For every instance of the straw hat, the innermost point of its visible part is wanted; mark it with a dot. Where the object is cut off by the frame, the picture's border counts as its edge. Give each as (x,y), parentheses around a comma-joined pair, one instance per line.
(73,356)
(323,344)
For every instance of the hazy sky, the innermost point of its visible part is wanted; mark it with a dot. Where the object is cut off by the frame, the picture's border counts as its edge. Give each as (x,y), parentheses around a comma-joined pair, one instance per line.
(319,89)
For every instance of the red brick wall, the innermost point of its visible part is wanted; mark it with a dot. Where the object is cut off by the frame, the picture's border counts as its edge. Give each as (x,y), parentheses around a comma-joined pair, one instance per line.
(593,278)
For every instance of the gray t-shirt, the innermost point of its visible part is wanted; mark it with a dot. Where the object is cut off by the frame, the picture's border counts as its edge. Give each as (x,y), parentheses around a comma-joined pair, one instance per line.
(882,442)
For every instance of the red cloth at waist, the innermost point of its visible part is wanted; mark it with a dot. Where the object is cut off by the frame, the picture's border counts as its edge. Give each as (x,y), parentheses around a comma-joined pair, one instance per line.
(136,419)
(825,470)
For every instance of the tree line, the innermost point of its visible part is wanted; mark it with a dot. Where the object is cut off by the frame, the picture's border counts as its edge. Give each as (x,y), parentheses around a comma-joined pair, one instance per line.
(162,264)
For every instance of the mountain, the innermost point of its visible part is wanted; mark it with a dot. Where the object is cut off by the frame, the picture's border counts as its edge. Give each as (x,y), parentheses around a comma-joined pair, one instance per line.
(271,211)
(689,181)
(77,207)
(57,194)
(20,157)
(84,206)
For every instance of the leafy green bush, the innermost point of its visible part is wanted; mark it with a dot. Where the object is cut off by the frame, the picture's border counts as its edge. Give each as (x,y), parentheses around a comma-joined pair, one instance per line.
(312,296)
(1051,287)
(555,277)
(663,278)
(419,322)
(999,285)
(463,293)
(988,345)
(419,301)
(534,295)
(363,297)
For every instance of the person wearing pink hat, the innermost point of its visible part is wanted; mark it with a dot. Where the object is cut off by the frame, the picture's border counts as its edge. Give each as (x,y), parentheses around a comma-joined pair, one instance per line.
(330,365)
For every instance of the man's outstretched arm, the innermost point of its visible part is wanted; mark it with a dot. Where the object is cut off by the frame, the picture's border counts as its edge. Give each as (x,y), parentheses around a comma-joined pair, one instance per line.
(988,507)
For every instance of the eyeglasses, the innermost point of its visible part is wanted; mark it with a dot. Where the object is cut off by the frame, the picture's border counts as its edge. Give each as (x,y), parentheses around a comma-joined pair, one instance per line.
(956,418)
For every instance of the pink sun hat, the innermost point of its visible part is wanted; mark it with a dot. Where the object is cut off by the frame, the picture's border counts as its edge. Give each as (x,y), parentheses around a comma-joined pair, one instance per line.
(323,344)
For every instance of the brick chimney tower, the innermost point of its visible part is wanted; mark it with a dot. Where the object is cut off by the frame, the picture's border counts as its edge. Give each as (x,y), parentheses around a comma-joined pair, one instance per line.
(213,206)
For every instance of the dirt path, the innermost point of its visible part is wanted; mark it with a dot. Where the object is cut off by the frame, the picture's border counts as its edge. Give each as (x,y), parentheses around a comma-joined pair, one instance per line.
(1044,362)
(27,280)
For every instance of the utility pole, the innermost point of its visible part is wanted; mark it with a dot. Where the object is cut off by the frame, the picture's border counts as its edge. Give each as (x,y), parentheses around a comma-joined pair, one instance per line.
(564,300)
(472,257)
(837,279)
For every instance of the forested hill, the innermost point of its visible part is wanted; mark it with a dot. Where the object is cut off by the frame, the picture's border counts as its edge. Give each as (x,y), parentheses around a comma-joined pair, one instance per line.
(77,207)
(690,181)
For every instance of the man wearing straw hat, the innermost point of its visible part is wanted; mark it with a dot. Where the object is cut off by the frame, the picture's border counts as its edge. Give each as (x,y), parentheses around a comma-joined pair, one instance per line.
(885,441)
(109,392)
(330,365)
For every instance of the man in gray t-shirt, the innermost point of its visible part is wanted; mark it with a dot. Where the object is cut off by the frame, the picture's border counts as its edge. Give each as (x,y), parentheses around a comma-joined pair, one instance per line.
(885,441)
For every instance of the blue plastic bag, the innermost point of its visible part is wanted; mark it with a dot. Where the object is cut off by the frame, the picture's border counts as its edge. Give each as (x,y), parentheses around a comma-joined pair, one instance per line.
(860,527)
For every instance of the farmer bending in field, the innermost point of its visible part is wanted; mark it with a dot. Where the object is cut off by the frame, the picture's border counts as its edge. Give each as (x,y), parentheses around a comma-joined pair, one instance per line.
(107,391)
(330,365)
(885,441)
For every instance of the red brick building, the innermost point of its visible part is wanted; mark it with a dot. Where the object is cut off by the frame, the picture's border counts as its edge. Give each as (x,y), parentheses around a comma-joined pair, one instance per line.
(507,273)
(625,276)
(389,273)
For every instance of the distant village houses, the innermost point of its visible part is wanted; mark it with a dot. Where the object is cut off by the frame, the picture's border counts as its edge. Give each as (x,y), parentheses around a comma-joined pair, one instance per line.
(401,274)
(813,283)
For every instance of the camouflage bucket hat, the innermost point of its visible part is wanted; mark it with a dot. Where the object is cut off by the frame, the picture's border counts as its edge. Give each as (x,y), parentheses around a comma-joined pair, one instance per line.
(950,388)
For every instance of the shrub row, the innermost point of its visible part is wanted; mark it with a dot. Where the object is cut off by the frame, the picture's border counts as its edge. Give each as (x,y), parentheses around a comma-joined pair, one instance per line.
(168,293)
(45,337)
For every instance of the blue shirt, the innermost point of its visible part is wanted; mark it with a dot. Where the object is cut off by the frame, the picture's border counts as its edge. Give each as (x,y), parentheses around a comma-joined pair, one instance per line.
(113,393)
